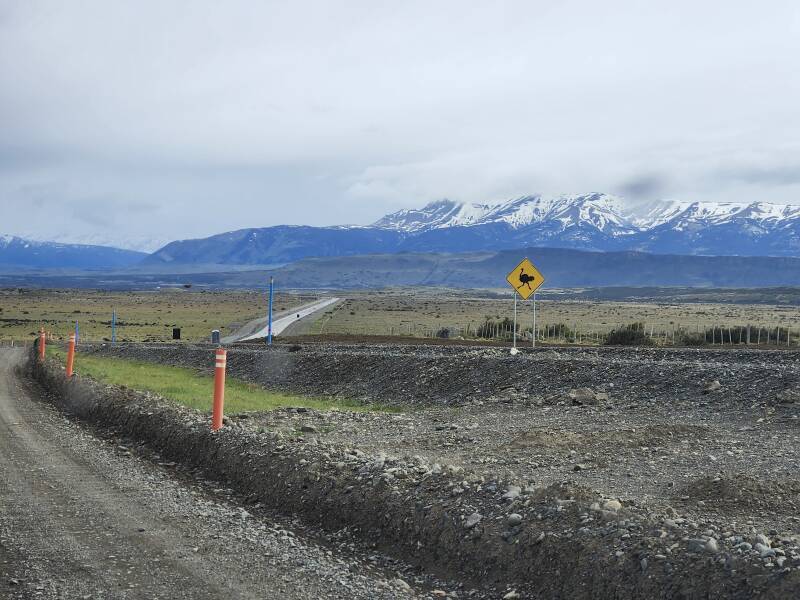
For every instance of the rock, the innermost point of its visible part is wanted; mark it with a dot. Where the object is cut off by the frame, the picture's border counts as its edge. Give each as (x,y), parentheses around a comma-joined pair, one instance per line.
(512,595)
(582,396)
(712,546)
(612,505)
(514,519)
(789,396)
(401,585)
(308,429)
(764,551)
(473,520)
(712,386)
(763,540)
(512,493)
(696,545)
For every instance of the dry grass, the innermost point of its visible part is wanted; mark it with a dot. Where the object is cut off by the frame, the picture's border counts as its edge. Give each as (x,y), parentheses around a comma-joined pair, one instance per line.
(151,315)
(384,313)
(141,316)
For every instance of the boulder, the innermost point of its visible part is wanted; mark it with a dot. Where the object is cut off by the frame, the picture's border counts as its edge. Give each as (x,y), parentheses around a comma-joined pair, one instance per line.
(583,395)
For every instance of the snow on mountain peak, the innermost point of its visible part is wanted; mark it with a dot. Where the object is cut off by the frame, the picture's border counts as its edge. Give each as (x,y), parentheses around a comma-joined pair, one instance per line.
(598,210)
(680,214)
(434,215)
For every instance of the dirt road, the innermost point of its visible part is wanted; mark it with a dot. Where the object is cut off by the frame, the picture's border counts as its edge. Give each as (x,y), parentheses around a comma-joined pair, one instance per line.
(85,517)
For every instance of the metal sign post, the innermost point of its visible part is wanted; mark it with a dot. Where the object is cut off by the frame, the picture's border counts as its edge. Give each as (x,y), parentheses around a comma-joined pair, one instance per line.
(514,345)
(525,279)
(269,312)
(113,326)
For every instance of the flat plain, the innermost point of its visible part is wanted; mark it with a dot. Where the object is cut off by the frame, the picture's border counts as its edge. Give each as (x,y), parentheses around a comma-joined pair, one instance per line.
(423,312)
(150,315)
(141,316)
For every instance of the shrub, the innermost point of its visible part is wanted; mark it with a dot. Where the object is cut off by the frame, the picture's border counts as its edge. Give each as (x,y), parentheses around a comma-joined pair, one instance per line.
(632,334)
(693,339)
(489,328)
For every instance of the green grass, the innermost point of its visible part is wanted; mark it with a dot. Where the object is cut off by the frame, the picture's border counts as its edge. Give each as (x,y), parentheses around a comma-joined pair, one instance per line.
(190,388)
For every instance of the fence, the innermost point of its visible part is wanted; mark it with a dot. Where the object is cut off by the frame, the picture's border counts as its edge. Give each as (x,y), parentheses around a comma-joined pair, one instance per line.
(579,333)
(659,334)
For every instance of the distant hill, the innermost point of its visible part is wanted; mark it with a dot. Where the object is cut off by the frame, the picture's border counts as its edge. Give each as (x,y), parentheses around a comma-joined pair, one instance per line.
(597,222)
(562,269)
(275,245)
(20,254)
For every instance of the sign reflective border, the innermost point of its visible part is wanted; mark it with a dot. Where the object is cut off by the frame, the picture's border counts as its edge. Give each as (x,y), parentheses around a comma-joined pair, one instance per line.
(525,279)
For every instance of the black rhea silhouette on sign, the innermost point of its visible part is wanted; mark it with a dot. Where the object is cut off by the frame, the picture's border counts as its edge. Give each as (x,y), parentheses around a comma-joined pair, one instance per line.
(525,279)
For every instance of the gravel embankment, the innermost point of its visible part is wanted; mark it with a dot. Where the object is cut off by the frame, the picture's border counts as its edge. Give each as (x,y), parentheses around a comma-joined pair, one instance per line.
(501,479)
(456,375)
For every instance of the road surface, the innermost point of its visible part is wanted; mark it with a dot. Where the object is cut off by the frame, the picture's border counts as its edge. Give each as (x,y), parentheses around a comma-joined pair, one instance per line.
(84,517)
(258,328)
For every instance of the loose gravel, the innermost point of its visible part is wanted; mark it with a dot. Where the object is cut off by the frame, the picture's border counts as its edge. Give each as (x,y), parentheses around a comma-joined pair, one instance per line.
(554,473)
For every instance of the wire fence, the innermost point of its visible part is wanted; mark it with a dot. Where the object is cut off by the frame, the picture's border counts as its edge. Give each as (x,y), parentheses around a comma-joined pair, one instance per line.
(658,334)
(578,333)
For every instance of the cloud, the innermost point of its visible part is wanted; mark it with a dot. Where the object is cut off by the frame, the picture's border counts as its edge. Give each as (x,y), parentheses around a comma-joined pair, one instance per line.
(772,175)
(182,119)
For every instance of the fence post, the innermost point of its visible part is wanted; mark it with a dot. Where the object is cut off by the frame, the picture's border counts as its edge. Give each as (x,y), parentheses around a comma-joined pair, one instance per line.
(219,389)
(70,355)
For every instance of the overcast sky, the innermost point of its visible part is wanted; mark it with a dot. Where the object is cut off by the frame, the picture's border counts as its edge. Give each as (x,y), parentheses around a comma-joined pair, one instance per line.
(138,122)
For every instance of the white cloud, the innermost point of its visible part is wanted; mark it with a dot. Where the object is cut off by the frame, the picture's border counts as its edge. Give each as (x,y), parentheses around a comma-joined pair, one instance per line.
(319,112)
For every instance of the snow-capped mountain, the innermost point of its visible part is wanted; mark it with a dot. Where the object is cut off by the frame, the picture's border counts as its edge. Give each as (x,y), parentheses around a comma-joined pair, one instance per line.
(601,211)
(596,221)
(21,253)
(137,243)
(686,214)
(724,228)
(436,215)
(604,222)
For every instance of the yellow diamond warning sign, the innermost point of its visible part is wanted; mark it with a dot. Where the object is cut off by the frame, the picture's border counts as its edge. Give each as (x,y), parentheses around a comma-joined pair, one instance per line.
(525,278)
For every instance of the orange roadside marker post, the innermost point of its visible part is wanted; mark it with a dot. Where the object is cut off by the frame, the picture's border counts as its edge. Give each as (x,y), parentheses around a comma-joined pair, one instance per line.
(42,343)
(219,389)
(70,355)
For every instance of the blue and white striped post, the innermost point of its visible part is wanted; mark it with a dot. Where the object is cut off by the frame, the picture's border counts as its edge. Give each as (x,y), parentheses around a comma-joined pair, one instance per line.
(113,326)
(269,313)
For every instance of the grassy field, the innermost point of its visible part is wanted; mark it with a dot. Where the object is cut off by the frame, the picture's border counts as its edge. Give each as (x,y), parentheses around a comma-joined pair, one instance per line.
(418,312)
(141,316)
(194,390)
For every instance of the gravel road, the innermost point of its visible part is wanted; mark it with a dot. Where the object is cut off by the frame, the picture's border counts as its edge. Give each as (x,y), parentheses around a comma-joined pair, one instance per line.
(91,517)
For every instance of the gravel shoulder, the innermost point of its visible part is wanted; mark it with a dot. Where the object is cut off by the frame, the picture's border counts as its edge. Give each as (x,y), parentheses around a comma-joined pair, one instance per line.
(99,517)
(672,465)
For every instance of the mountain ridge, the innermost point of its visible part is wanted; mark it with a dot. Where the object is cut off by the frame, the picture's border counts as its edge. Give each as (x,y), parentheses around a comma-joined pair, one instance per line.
(595,222)
(21,253)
